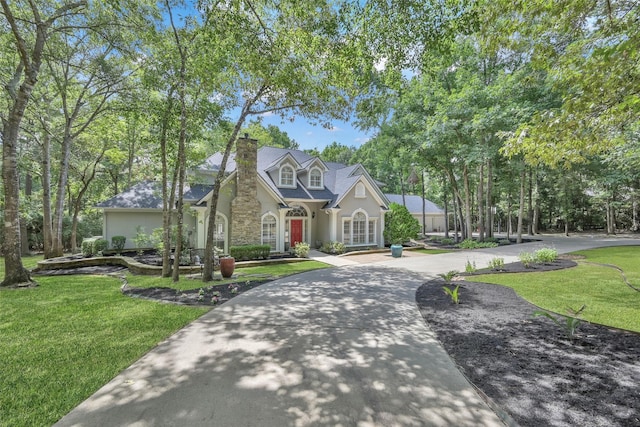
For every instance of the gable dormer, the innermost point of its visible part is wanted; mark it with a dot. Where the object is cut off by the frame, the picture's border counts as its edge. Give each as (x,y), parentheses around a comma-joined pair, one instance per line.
(314,169)
(287,176)
(284,171)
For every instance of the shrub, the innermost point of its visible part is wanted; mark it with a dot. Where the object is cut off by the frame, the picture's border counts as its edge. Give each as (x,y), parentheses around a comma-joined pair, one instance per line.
(87,246)
(99,246)
(118,243)
(470,267)
(496,263)
(141,240)
(546,255)
(504,242)
(250,252)
(447,241)
(334,248)
(527,259)
(472,244)
(400,225)
(301,249)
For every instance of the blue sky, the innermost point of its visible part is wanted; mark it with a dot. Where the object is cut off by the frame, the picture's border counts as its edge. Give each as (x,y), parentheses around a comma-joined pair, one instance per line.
(310,136)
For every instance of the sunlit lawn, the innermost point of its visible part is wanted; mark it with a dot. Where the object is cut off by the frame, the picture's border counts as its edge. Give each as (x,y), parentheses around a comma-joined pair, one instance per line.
(432,251)
(609,301)
(61,341)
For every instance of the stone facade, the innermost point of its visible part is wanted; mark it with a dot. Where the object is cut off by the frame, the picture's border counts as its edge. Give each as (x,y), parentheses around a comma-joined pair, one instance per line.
(245,207)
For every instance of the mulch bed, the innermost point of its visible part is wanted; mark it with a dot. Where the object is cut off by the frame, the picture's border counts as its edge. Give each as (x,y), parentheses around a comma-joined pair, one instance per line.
(527,366)
(208,295)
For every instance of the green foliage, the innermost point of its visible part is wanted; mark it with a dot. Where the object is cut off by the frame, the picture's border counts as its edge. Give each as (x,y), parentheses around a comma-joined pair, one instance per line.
(472,244)
(449,275)
(141,239)
(250,252)
(447,241)
(99,246)
(301,249)
(496,263)
(334,248)
(568,323)
(527,259)
(453,293)
(470,267)
(545,255)
(118,243)
(87,247)
(400,225)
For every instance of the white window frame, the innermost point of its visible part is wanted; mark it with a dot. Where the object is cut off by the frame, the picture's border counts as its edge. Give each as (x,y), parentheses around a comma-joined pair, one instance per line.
(293,176)
(273,243)
(321,184)
(359,236)
(360,191)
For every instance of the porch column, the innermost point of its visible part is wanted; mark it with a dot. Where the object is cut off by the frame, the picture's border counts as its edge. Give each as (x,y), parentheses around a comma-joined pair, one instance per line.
(280,240)
(333,225)
(381,234)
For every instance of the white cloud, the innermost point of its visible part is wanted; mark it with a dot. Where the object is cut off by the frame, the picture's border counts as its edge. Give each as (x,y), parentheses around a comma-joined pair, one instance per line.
(334,129)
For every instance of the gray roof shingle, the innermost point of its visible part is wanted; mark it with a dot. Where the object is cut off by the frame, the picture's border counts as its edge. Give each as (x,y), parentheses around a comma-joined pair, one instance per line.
(414,204)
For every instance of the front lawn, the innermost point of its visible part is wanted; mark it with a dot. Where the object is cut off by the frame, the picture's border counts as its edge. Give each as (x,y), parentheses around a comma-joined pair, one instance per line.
(609,301)
(61,341)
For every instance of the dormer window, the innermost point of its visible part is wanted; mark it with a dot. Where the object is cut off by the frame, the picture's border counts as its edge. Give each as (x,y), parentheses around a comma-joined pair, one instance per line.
(315,178)
(287,176)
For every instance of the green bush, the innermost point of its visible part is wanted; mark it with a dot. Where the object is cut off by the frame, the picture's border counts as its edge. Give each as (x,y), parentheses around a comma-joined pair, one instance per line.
(496,263)
(472,244)
(99,246)
(87,247)
(250,252)
(334,248)
(118,243)
(546,255)
(447,241)
(527,259)
(504,242)
(301,249)
(399,225)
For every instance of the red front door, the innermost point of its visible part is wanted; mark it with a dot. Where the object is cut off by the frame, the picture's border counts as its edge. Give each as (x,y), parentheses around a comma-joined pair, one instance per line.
(296,231)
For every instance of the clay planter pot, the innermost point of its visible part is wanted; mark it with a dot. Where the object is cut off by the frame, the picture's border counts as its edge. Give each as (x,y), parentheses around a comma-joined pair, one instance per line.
(227,265)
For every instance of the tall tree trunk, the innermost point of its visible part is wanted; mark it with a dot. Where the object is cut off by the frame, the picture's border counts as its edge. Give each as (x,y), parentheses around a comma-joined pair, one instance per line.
(523,177)
(481,229)
(529,204)
(467,204)
(47,230)
(61,194)
(635,223)
(489,200)
(455,217)
(445,203)
(28,185)
(87,179)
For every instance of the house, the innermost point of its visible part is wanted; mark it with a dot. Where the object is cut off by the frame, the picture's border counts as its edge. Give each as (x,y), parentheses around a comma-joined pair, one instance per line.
(433,219)
(270,195)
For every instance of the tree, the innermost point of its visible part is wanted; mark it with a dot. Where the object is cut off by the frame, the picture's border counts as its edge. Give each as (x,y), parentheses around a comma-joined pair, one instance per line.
(273,72)
(338,153)
(30,30)
(399,225)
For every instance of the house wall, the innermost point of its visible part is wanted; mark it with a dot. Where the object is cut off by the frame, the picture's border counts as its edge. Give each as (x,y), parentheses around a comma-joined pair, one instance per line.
(433,222)
(350,204)
(125,223)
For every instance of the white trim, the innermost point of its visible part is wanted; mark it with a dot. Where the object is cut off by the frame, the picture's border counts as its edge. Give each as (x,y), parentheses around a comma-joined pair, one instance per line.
(315,187)
(266,214)
(360,194)
(294,177)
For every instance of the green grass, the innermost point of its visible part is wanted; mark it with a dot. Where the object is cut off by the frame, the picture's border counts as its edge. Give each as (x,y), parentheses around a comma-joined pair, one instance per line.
(609,301)
(61,341)
(432,251)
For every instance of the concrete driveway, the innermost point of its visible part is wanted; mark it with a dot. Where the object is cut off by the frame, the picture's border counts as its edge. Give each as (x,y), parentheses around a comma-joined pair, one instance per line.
(338,347)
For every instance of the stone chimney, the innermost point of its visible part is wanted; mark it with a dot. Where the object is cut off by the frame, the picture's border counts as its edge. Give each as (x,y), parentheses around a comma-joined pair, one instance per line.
(245,208)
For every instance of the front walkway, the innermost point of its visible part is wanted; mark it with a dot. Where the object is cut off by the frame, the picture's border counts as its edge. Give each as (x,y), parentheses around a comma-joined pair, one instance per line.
(336,347)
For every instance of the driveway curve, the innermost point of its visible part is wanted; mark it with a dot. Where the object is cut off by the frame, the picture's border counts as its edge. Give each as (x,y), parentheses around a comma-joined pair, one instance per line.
(337,347)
